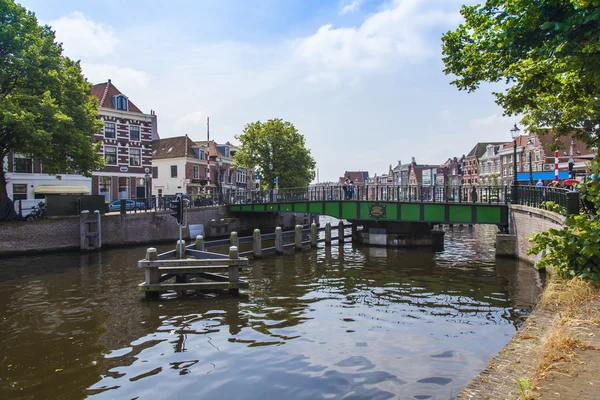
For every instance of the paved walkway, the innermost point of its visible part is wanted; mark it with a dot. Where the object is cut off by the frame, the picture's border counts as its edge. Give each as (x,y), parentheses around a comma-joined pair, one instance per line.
(574,379)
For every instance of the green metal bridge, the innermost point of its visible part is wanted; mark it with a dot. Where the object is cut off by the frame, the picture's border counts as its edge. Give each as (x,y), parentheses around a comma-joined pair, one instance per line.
(385,204)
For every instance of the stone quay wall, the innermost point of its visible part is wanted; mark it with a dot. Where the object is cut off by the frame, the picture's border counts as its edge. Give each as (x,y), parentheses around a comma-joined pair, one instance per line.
(524,221)
(63,233)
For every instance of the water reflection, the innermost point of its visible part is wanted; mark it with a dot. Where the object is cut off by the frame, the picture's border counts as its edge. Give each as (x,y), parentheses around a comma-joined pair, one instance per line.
(335,322)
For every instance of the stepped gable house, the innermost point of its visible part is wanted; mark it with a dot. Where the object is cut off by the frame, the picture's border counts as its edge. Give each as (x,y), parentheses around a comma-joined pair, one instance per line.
(126,145)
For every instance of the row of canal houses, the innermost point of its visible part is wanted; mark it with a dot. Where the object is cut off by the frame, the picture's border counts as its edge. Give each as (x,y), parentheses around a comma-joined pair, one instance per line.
(138,163)
(490,164)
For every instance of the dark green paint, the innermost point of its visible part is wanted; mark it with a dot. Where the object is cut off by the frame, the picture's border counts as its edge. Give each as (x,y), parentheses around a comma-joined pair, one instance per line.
(460,213)
(434,212)
(410,212)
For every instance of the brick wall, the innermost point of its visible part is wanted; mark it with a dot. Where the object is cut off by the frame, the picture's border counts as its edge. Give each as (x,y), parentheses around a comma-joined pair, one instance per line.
(56,233)
(527,220)
(61,233)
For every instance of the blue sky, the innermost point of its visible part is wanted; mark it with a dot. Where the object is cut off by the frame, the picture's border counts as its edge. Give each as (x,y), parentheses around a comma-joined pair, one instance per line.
(361,79)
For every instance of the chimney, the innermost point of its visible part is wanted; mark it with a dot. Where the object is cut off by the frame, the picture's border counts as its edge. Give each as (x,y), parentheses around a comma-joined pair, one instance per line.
(154,129)
(413,160)
(109,81)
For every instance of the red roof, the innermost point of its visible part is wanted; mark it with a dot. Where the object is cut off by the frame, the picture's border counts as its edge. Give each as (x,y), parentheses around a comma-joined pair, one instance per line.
(105,93)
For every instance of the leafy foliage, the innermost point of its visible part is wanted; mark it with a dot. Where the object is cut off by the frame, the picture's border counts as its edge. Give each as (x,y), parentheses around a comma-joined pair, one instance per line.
(46,107)
(575,250)
(546,51)
(277,143)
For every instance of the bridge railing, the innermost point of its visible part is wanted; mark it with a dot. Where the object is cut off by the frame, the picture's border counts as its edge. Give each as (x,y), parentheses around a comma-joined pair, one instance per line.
(390,193)
(537,196)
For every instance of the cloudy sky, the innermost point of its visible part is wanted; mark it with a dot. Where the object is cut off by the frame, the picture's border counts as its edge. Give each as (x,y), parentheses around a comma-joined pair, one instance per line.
(361,79)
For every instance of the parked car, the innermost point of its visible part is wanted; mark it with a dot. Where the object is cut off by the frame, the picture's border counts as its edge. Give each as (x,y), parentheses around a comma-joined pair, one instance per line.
(129,205)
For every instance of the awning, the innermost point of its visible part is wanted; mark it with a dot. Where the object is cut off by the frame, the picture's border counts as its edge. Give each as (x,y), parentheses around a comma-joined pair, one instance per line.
(55,189)
(545,176)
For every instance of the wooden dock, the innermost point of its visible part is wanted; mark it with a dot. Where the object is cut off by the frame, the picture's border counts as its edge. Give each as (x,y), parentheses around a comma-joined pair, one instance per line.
(200,270)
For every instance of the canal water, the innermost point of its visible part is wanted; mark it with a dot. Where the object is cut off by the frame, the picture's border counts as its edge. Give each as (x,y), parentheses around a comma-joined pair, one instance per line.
(348,322)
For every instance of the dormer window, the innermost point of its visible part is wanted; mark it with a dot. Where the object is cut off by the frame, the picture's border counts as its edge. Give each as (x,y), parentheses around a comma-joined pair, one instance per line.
(120,102)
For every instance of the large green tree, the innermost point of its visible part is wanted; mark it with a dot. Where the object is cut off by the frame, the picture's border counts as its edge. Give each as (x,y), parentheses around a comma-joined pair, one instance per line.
(547,52)
(276,143)
(46,107)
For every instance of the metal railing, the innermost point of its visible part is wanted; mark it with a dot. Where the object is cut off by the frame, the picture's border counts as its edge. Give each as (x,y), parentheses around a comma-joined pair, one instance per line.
(537,196)
(533,196)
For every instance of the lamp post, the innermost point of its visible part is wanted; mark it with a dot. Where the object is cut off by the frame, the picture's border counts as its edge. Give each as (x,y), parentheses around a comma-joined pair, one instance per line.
(146,181)
(271,180)
(220,179)
(514,195)
(571,166)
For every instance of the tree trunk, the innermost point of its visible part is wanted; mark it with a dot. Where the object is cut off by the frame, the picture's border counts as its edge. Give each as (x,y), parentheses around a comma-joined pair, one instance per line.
(3,191)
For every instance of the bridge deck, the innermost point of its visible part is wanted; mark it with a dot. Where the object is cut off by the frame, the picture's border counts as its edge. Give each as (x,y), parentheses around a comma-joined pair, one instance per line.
(449,212)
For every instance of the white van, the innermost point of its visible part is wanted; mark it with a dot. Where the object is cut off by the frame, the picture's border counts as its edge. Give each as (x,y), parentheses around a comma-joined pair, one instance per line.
(26,206)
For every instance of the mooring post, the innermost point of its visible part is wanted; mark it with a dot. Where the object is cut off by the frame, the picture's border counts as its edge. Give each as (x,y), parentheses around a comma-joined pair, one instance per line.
(83,230)
(313,234)
(341,233)
(256,244)
(151,273)
(234,271)
(278,240)
(199,243)
(328,234)
(298,237)
(180,245)
(99,228)
(234,240)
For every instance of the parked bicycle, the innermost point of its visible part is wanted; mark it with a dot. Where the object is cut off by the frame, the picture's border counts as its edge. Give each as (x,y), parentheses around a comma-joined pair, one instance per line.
(37,212)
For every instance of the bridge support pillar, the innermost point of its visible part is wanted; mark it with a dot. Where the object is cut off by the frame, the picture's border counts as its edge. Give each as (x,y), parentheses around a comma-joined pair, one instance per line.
(399,234)
(506,245)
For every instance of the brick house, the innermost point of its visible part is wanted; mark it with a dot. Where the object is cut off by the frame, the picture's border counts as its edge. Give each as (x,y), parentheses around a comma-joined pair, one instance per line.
(470,169)
(178,166)
(126,145)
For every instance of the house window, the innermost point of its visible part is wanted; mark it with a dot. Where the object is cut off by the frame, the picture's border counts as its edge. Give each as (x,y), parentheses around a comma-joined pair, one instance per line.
(19,191)
(134,132)
(110,155)
(121,103)
(135,157)
(154,172)
(104,187)
(196,172)
(110,131)
(124,187)
(23,164)
(173,171)
(537,156)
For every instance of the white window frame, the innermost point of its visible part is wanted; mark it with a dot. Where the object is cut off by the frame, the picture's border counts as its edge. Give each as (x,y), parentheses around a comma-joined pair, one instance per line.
(139,139)
(196,172)
(104,129)
(129,156)
(116,154)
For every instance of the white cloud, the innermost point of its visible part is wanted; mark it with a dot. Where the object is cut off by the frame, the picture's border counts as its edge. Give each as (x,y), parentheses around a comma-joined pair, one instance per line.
(351,7)
(386,40)
(82,37)
(122,76)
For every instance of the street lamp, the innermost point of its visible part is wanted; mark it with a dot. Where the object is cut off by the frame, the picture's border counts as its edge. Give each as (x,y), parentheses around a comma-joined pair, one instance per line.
(271,180)
(571,166)
(146,181)
(530,142)
(220,179)
(514,132)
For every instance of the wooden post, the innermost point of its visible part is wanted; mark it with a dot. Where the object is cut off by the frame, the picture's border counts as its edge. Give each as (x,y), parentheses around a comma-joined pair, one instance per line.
(256,244)
(151,273)
(99,228)
(298,237)
(234,272)
(234,240)
(313,234)
(278,240)
(83,230)
(328,234)
(341,233)
(180,245)
(199,244)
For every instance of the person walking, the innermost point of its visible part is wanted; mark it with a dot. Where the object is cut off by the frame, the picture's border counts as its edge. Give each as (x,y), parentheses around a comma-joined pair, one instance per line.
(346,181)
(539,183)
(351,190)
